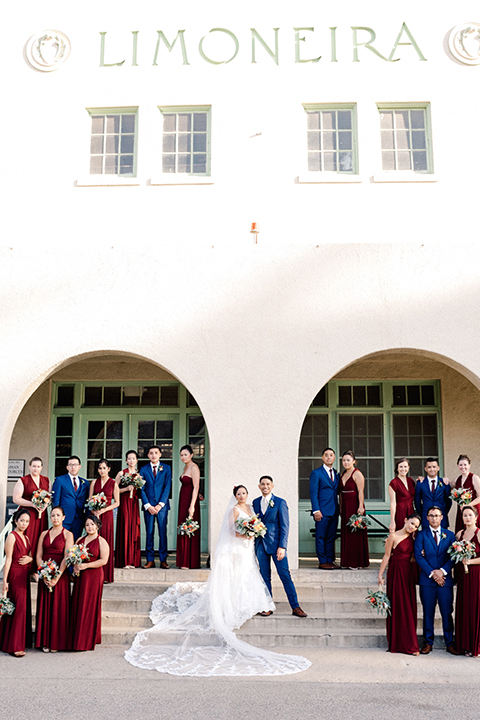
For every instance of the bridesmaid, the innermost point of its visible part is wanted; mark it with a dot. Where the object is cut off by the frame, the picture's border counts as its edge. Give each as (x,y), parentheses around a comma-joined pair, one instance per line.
(127,548)
(16,629)
(467,607)
(354,545)
(22,495)
(466,480)
(401,491)
(86,609)
(402,623)
(52,617)
(107,485)
(188,548)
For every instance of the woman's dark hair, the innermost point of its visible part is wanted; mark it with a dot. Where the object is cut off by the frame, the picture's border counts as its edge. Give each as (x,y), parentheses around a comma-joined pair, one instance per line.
(131,452)
(398,463)
(18,514)
(472,508)
(237,488)
(464,457)
(188,448)
(94,519)
(414,516)
(59,507)
(350,452)
(104,460)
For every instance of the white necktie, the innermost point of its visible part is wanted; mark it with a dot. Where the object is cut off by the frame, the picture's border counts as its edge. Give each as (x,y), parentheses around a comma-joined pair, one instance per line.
(264,505)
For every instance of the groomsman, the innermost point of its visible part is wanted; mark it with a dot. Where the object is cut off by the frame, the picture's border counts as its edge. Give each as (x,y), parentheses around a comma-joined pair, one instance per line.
(155,494)
(432,490)
(273,512)
(70,491)
(324,498)
(436,582)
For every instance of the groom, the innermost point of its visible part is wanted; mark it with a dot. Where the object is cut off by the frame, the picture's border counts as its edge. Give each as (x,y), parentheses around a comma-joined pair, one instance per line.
(273,512)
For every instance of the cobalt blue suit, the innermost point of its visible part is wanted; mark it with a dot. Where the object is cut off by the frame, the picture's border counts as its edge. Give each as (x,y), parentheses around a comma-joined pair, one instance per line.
(430,556)
(277,524)
(156,490)
(324,497)
(424,499)
(73,503)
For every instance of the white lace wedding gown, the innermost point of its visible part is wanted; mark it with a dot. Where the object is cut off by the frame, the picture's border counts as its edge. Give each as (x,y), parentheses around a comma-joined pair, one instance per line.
(194,622)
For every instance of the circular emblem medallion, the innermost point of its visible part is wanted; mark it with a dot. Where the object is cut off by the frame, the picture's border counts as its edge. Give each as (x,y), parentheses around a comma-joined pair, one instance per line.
(47,50)
(464,43)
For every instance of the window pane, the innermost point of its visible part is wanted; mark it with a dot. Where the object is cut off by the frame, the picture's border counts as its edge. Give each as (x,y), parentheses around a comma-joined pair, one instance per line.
(113,123)
(184,122)
(64,399)
(428,395)
(344,119)
(96,165)
(330,161)
(418,140)
(131,395)
(169,143)
(111,145)
(127,143)
(388,160)
(345,140)
(184,164)
(64,426)
(112,395)
(419,161)
(344,395)
(404,161)
(196,425)
(169,395)
(386,120)
(329,141)
(150,395)
(417,118)
(401,119)
(200,122)
(320,399)
(313,139)
(345,160)
(111,164)
(168,163)
(199,163)
(146,429)
(96,144)
(328,120)
(164,429)
(373,395)
(313,121)
(387,140)
(169,123)
(184,143)
(403,139)
(413,394)
(113,449)
(399,395)
(314,162)
(359,395)
(128,123)
(97,123)
(199,142)
(126,164)
(114,430)
(93,396)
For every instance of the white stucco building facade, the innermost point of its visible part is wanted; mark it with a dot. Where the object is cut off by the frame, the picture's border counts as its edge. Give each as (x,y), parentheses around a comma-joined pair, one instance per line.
(363,274)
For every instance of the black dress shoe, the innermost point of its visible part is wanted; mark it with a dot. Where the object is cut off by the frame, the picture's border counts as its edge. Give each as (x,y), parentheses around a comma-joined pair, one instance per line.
(451,649)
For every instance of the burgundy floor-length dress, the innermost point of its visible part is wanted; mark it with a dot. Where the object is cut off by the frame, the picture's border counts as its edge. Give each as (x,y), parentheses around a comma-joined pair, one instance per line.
(468,485)
(467,607)
(404,498)
(402,623)
(188,548)
(53,608)
(127,547)
(354,545)
(106,530)
(86,608)
(38,523)
(16,629)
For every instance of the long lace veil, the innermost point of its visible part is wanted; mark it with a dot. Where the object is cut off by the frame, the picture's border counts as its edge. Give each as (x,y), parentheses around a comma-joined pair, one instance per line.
(194,622)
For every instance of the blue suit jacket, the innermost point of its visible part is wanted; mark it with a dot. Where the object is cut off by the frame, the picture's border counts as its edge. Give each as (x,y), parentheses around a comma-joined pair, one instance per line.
(424,499)
(73,503)
(156,490)
(430,556)
(324,493)
(277,523)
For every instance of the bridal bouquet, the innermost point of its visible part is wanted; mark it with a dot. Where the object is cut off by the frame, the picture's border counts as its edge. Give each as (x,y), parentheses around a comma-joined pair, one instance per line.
(97,502)
(462,497)
(461,550)
(188,527)
(48,571)
(251,527)
(76,555)
(40,499)
(134,482)
(379,601)
(6,606)
(357,522)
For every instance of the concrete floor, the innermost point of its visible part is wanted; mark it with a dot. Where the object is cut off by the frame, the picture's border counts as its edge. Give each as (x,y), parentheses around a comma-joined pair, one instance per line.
(362,684)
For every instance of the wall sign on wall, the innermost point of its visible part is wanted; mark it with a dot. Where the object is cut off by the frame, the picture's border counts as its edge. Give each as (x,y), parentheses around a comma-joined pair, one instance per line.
(47,50)
(464,43)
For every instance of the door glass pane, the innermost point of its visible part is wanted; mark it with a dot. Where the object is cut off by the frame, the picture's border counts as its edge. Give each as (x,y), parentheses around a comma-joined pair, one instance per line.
(364,435)
(415,437)
(313,440)
(146,429)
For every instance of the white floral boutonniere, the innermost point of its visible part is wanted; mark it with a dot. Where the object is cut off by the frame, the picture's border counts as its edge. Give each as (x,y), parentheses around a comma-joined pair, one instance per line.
(271,503)
(160,468)
(443,536)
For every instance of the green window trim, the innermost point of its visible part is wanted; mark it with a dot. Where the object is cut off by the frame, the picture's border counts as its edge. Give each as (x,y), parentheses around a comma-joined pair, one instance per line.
(341,154)
(113,150)
(409,131)
(186,159)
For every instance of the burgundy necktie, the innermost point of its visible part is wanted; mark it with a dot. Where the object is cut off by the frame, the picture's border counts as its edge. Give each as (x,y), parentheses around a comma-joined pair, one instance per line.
(433,486)
(435,532)
(154,471)
(75,484)
(331,475)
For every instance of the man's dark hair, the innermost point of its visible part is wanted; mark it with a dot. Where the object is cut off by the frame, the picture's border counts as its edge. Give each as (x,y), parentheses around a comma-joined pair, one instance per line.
(265,477)
(329,448)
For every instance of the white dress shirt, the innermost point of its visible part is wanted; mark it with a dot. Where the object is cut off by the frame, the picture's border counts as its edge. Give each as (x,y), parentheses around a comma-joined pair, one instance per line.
(264,503)
(154,466)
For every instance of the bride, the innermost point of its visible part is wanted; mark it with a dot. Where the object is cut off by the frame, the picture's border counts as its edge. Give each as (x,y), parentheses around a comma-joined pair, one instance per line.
(194,622)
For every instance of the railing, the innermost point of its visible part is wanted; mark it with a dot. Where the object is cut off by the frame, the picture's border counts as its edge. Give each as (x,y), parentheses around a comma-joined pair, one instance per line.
(3,535)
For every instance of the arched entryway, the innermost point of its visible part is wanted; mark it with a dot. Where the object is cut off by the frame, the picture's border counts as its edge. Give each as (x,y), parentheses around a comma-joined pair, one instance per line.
(105,404)
(383,407)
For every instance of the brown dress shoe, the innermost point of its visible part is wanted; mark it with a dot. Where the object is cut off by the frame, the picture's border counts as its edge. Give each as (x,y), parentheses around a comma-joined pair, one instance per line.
(298,612)
(164,565)
(325,566)
(427,648)
(451,649)
(266,613)
(149,565)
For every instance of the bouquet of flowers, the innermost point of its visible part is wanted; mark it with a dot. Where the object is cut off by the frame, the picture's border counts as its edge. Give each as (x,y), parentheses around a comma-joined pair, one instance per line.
(134,482)
(48,571)
(357,522)
(461,496)
(461,550)
(379,602)
(97,502)
(40,499)
(251,527)
(76,555)
(6,606)
(188,527)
